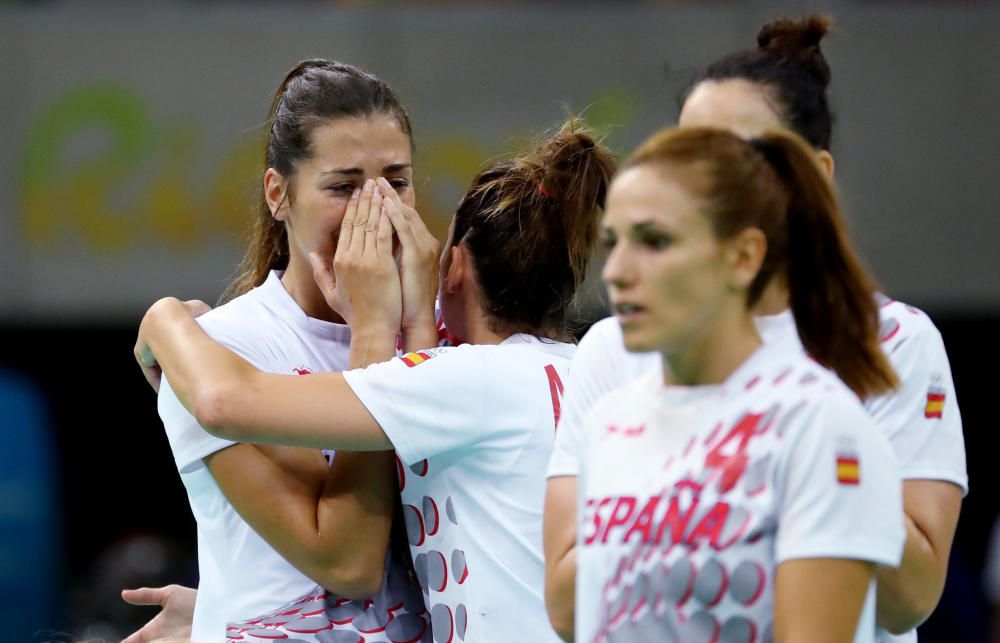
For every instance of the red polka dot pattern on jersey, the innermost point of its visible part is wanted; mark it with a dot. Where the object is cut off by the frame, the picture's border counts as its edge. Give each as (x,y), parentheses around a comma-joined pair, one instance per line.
(320,618)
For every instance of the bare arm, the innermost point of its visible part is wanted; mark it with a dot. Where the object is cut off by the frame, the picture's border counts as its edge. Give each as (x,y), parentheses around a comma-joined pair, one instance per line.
(233,400)
(559,533)
(909,593)
(819,600)
(331,524)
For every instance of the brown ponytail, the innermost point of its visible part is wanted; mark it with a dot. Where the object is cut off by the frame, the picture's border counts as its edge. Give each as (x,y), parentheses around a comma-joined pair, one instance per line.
(776,185)
(832,296)
(312,93)
(530,225)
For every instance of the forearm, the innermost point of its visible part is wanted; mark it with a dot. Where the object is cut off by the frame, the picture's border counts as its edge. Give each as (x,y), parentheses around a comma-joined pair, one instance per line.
(420,335)
(304,509)
(819,600)
(909,593)
(372,344)
(560,594)
(354,517)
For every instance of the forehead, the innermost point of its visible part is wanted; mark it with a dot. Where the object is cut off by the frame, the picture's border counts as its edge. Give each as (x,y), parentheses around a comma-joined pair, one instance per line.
(360,141)
(738,105)
(657,194)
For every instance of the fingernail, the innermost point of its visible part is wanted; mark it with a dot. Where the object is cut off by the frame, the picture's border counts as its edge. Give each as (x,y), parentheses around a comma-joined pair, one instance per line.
(369,184)
(356,193)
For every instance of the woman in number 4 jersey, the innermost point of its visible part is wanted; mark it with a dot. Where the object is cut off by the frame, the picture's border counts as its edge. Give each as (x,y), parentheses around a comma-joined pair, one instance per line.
(742,493)
(472,425)
(783,83)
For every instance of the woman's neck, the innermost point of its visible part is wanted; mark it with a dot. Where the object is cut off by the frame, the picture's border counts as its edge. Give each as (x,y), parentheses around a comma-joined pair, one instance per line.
(298,281)
(774,299)
(713,354)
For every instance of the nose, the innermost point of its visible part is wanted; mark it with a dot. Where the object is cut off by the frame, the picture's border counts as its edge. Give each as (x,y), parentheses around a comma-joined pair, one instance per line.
(617,270)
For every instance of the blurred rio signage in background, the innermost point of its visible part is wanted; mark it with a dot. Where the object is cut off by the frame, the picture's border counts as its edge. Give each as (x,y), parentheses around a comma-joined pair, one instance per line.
(101,169)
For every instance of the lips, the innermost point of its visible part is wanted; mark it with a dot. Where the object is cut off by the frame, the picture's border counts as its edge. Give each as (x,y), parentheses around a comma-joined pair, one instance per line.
(626,311)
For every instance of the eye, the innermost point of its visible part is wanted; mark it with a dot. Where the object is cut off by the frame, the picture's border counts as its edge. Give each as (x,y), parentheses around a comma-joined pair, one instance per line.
(607,240)
(399,183)
(341,189)
(656,240)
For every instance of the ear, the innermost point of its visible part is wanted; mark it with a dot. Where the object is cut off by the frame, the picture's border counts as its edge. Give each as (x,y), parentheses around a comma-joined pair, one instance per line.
(276,193)
(826,161)
(456,269)
(744,255)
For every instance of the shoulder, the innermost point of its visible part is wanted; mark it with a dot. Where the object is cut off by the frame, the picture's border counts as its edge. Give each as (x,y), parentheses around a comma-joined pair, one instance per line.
(793,380)
(603,348)
(633,398)
(901,324)
(234,318)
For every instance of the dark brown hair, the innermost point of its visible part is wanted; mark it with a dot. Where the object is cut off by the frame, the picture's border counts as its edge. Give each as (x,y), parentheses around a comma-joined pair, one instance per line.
(775,184)
(530,226)
(789,63)
(313,93)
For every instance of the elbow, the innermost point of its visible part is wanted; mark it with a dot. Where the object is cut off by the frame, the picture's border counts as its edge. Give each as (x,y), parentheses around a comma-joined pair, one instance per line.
(353,581)
(905,610)
(563,626)
(910,613)
(212,408)
(560,615)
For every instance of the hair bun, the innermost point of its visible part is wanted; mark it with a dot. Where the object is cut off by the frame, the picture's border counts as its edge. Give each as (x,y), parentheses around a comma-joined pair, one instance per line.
(798,40)
(565,159)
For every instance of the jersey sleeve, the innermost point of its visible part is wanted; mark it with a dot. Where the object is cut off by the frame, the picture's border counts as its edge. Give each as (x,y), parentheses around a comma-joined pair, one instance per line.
(922,419)
(596,369)
(838,493)
(429,402)
(189,441)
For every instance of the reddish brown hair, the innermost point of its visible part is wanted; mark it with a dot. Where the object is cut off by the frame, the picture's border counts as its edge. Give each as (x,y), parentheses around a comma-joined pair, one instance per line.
(530,225)
(775,184)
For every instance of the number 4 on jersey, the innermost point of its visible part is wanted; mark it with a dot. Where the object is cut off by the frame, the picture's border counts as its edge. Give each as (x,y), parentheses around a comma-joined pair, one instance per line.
(556,388)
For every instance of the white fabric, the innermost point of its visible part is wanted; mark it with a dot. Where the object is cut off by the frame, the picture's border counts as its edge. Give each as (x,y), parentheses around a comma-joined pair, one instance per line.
(473,426)
(693,495)
(241,576)
(925,447)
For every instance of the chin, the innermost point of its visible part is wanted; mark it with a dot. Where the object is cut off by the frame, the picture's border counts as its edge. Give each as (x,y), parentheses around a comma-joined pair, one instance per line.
(636,343)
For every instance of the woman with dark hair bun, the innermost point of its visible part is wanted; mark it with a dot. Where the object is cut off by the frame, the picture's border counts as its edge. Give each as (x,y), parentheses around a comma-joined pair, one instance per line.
(783,82)
(472,425)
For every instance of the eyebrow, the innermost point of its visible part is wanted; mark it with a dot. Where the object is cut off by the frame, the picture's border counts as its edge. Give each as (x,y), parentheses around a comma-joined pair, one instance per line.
(645,226)
(388,169)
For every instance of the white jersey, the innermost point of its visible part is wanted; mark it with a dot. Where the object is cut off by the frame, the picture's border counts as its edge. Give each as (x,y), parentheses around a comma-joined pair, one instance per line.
(921,419)
(241,576)
(692,496)
(473,427)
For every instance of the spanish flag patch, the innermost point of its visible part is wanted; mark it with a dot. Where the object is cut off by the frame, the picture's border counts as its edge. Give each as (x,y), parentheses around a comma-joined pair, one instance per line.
(412,359)
(935,403)
(848,469)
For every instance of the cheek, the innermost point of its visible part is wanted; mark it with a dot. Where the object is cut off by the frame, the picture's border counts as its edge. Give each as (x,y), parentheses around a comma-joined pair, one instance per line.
(409,197)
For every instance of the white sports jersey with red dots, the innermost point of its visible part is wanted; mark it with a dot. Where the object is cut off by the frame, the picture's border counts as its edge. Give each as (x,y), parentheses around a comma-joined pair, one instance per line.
(692,496)
(241,576)
(921,420)
(473,427)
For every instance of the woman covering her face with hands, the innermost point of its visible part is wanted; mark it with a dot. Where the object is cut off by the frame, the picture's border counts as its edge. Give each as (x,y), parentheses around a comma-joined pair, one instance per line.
(273,522)
(472,425)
